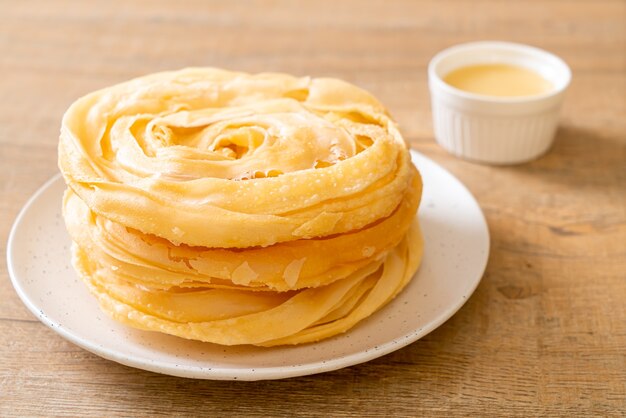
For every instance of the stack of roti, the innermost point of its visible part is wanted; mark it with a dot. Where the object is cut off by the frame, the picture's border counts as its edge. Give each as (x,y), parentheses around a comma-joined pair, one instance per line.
(239,209)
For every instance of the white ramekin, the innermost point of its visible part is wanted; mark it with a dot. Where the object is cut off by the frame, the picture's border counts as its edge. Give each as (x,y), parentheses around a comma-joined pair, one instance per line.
(496,130)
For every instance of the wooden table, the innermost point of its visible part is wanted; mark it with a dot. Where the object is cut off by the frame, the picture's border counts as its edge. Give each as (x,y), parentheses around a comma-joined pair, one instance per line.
(545,333)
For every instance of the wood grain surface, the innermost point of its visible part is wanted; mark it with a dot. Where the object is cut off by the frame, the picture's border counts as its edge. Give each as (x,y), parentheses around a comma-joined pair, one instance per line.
(545,332)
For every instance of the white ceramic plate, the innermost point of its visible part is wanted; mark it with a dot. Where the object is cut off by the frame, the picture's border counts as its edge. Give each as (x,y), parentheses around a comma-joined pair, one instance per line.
(455,255)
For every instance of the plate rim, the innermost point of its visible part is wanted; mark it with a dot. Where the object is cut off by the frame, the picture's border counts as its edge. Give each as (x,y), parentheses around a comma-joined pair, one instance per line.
(246,373)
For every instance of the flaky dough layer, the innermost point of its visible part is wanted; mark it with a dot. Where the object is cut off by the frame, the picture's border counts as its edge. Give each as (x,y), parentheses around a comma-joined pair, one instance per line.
(193,155)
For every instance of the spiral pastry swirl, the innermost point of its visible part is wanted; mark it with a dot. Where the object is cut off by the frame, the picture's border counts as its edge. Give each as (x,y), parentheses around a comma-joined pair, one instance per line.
(239,209)
(180,146)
